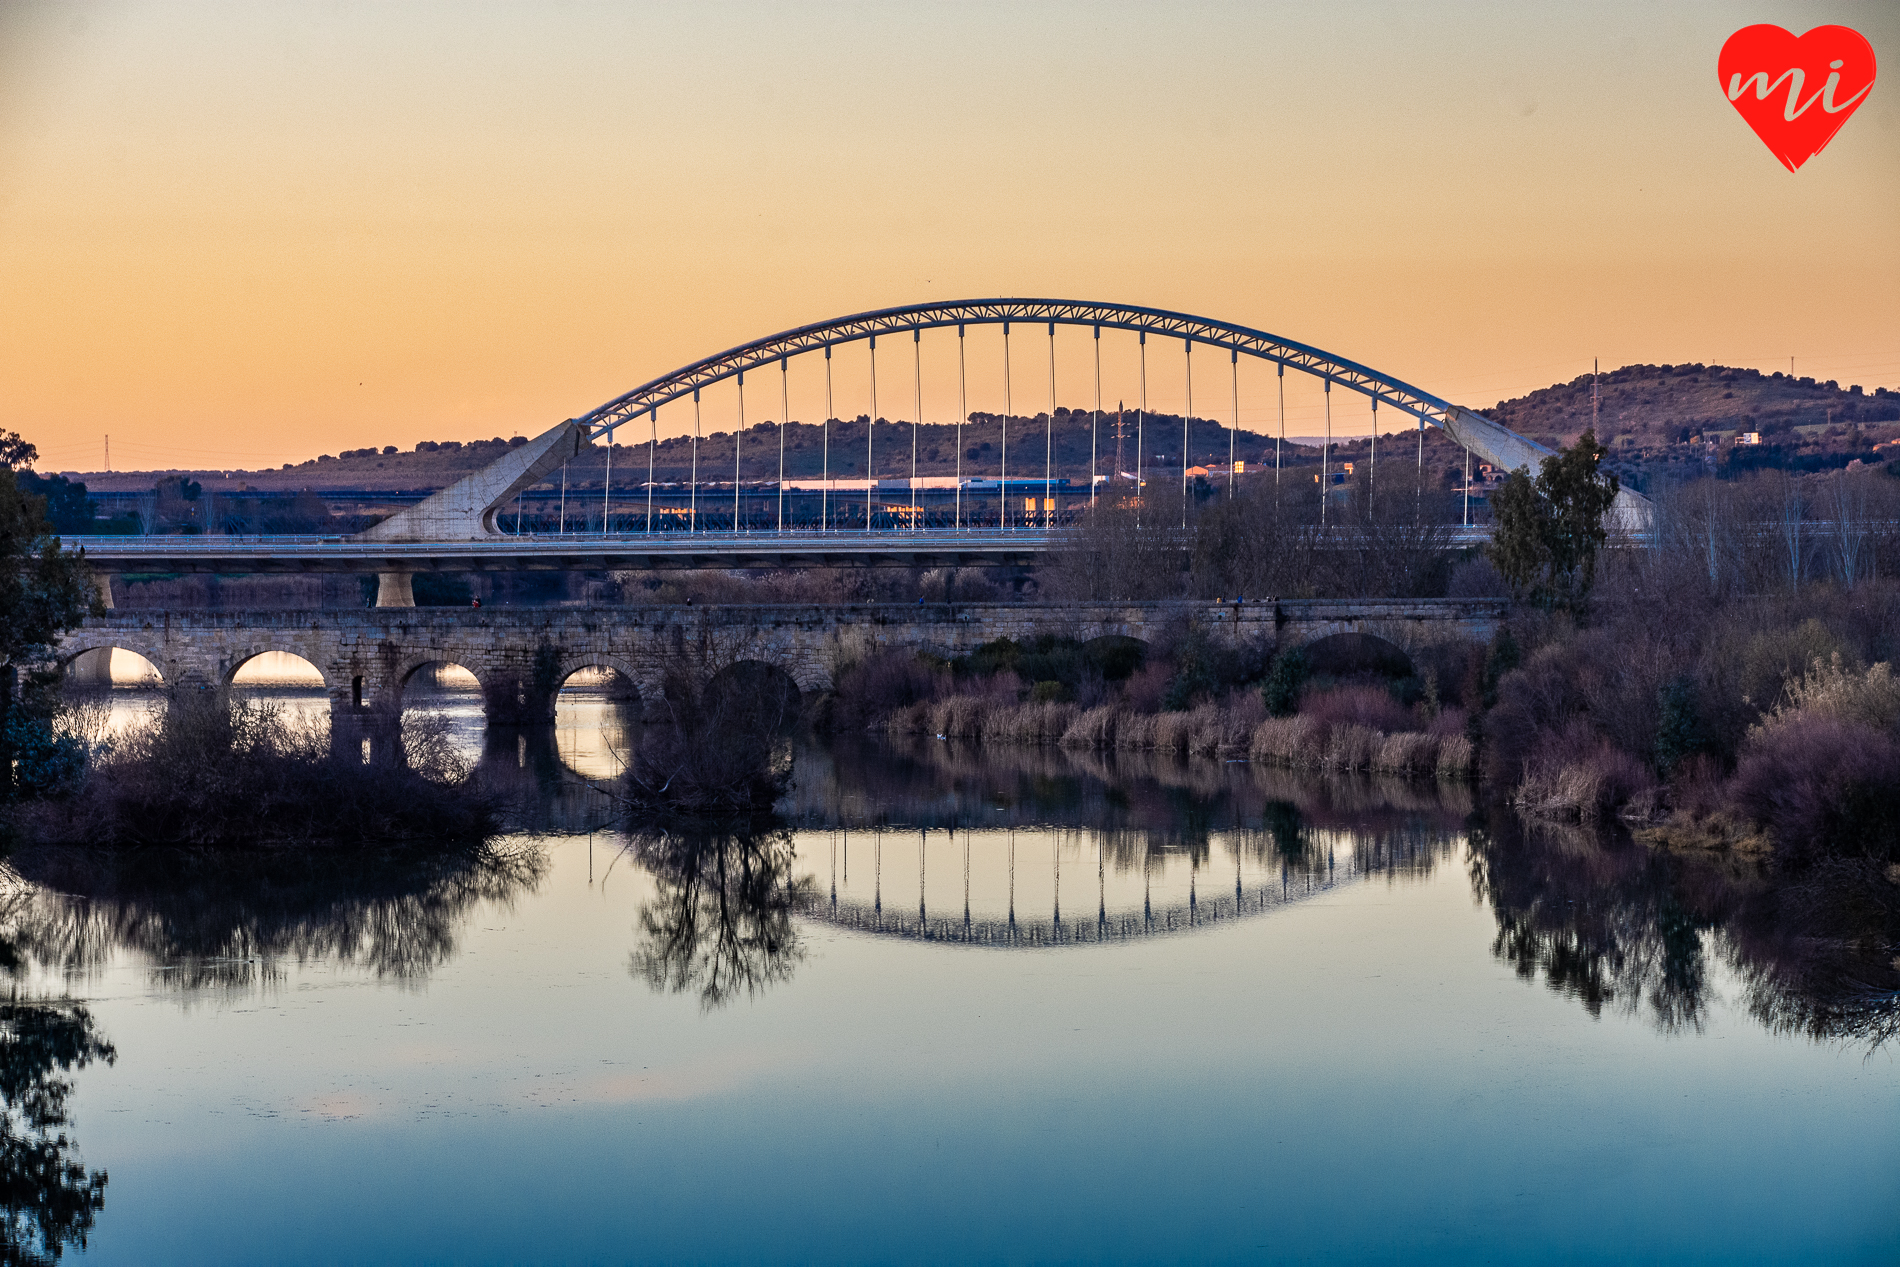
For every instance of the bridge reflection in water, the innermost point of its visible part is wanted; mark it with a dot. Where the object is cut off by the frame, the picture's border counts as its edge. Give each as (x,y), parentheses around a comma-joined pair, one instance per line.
(1037,847)
(1013,847)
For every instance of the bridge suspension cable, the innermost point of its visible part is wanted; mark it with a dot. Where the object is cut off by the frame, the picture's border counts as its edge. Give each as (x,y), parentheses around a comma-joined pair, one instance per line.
(917,386)
(1187,415)
(824,491)
(737,432)
(1141,417)
(692,493)
(1325,456)
(1002,483)
(1233,432)
(1281,438)
(963,412)
(870,432)
(784,420)
(1095,416)
(1049,436)
(1418,499)
(653,446)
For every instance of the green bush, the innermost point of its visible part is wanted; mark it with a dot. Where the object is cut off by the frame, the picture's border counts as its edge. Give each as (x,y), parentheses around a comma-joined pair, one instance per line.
(1679,730)
(1285,680)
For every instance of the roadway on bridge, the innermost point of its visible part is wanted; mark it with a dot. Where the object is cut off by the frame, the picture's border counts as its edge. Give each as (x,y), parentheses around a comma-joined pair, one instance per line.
(766,548)
(572,551)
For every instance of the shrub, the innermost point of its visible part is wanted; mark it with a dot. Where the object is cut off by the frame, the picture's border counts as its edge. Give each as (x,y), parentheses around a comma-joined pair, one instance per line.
(1146,687)
(1679,731)
(1822,785)
(1830,690)
(881,684)
(1448,722)
(1367,706)
(1285,681)
(207,773)
(721,752)
(46,762)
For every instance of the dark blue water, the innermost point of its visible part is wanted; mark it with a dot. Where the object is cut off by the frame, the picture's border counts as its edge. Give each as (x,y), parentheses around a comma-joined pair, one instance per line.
(1239,1016)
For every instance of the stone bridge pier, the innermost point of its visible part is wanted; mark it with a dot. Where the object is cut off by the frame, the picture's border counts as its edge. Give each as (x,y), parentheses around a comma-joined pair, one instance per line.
(521,657)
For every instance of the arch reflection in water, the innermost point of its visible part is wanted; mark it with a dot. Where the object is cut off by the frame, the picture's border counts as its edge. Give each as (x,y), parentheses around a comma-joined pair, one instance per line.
(595,720)
(444,701)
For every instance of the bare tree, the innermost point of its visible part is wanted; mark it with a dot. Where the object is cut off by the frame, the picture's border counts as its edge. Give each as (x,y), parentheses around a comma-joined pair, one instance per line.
(1793,512)
(1847,500)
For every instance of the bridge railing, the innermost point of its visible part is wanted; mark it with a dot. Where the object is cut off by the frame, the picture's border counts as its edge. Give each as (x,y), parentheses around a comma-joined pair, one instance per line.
(172,543)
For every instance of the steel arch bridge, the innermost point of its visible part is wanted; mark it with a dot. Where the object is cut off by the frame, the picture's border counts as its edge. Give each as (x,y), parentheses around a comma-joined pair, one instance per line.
(466,510)
(914,319)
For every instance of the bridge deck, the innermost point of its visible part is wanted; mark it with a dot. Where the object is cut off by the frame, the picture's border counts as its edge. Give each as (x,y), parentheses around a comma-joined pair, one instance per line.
(971,547)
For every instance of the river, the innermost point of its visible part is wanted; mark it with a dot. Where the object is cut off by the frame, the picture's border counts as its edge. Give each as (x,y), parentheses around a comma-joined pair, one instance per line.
(957,1004)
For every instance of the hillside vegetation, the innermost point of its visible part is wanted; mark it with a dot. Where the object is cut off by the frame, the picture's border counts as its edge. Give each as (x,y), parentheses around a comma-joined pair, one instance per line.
(1652,418)
(1655,417)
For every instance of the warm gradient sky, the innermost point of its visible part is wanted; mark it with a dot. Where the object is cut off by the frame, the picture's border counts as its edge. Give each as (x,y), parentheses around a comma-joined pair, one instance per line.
(241,234)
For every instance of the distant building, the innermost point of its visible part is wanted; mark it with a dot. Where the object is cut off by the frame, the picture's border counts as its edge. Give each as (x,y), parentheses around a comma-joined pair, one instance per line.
(1748,437)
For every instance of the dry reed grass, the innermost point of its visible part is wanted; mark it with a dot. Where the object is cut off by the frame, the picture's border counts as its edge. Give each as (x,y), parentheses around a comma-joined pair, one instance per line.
(1588,786)
(1331,740)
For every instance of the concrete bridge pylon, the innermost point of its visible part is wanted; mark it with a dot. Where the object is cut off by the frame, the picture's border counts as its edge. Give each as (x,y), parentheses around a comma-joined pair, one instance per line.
(466,509)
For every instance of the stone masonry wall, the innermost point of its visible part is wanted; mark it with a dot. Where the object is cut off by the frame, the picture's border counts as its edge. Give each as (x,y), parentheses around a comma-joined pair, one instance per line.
(520,656)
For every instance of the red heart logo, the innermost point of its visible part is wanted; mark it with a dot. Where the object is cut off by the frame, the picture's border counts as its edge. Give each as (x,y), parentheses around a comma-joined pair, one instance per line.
(1796,92)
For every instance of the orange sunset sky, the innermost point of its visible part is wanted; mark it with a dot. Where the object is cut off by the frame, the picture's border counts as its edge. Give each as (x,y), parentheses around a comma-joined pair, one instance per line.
(236,235)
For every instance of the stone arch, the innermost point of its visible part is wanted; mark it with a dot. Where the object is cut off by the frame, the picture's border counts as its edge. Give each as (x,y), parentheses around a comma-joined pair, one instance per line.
(406,670)
(251,654)
(1348,654)
(626,683)
(756,690)
(91,661)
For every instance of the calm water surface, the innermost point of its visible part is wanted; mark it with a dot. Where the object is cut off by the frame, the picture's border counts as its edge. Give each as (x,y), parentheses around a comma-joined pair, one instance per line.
(1014,1005)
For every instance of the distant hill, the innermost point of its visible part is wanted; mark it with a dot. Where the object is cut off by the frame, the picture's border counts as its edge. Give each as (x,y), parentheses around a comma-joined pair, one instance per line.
(1653,417)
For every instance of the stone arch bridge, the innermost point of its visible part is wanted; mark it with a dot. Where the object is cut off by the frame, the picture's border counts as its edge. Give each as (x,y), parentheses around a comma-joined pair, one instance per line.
(521,656)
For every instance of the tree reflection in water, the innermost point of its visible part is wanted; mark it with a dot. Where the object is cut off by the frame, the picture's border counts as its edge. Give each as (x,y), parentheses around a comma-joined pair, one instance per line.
(227,918)
(48,1198)
(721,922)
(1615,924)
